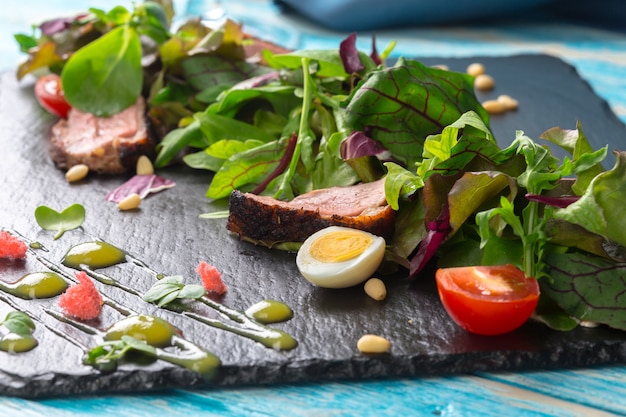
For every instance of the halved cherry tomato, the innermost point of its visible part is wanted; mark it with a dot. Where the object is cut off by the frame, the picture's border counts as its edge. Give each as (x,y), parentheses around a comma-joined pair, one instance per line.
(487,300)
(49,94)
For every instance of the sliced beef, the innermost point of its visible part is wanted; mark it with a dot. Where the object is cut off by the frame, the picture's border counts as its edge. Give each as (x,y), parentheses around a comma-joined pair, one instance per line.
(267,221)
(107,145)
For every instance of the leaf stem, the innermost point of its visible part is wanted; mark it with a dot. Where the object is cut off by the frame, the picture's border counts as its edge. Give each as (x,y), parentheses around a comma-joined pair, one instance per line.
(289,151)
(307,96)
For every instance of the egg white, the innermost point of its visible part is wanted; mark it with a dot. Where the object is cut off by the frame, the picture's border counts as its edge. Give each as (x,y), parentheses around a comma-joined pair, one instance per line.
(340,274)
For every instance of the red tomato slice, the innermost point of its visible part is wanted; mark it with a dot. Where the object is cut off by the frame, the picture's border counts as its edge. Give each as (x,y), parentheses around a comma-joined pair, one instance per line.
(487,300)
(49,94)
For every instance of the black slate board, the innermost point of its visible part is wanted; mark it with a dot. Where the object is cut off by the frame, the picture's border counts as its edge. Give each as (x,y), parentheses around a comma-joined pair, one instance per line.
(167,234)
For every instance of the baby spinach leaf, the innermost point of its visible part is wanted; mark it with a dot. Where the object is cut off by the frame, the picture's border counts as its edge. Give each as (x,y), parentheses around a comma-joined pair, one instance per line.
(70,218)
(587,287)
(111,67)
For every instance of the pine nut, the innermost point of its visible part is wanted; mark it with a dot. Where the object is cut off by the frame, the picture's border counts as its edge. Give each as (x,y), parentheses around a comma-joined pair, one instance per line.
(509,102)
(494,107)
(144,166)
(76,173)
(475,69)
(370,343)
(443,67)
(484,82)
(376,289)
(129,203)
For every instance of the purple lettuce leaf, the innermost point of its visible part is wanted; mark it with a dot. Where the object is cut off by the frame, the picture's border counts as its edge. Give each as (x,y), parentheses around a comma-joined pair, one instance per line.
(438,230)
(560,201)
(350,55)
(143,185)
(358,144)
(374,55)
(54,26)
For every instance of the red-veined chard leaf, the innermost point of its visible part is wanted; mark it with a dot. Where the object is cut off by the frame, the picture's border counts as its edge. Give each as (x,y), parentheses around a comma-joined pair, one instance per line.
(600,208)
(400,106)
(111,68)
(587,287)
(204,71)
(246,168)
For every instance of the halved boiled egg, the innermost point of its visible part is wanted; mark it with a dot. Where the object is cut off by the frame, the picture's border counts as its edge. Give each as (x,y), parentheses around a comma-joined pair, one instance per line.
(340,257)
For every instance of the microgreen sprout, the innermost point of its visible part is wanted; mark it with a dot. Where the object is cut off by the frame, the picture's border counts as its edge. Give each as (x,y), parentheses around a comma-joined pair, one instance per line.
(105,357)
(171,288)
(70,218)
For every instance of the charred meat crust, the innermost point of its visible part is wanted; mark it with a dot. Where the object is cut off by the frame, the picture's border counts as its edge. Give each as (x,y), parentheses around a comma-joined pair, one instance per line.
(264,223)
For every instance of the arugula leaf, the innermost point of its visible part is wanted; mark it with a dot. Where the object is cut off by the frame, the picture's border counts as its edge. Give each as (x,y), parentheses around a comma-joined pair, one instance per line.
(70,218)
(171,288)
(575,142)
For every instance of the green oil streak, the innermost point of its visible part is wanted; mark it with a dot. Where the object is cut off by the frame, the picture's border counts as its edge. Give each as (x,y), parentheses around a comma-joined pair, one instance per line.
(192,357)
(152,330)
(36,285)
(15,343)
(269,311)
(94,255)
(160,334)
(98,254)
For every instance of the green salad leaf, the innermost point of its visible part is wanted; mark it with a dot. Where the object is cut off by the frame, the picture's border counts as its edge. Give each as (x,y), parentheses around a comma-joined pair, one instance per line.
(111,67)
(171,288)
(70,218)
(600,208)
(106,356)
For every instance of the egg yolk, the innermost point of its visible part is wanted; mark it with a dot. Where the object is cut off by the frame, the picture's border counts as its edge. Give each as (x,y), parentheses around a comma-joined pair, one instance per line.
(340,246)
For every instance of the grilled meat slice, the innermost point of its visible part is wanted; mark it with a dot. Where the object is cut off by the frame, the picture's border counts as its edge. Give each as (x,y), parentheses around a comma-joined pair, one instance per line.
(267,221)
(107,145)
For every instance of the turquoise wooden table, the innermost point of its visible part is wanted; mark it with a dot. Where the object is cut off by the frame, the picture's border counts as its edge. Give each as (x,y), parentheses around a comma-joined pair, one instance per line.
(599,55)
